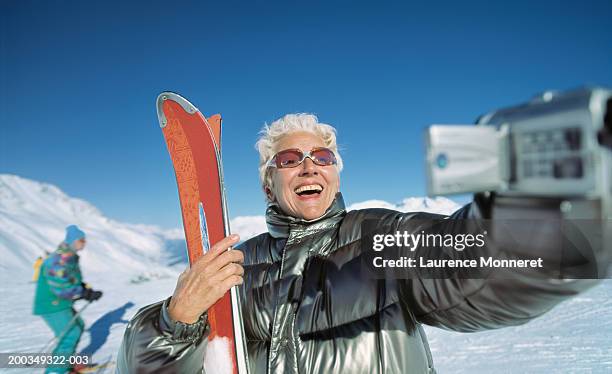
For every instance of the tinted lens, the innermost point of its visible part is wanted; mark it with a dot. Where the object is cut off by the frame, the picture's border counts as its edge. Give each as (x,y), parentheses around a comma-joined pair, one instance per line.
(288,158)
(323,156)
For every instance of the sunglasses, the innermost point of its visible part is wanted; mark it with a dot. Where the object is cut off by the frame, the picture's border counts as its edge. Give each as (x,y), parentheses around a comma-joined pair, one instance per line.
(290,158)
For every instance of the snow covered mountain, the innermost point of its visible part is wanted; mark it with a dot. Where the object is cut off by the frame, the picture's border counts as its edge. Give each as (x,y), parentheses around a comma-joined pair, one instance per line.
(439,205)
(33,217)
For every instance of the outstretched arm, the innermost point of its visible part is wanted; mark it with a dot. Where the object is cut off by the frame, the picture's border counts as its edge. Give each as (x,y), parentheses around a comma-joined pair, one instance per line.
(501,297)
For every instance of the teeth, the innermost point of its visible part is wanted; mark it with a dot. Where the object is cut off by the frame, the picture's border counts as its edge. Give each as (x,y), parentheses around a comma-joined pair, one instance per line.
(310,187)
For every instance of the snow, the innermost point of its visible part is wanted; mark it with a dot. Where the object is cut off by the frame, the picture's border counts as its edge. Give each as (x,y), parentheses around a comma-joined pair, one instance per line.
(575,337)
(438,205)
(136,265)
(218,356)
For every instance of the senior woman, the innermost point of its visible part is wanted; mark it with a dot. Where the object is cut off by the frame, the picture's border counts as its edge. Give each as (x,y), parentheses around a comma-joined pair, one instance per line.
(306,307)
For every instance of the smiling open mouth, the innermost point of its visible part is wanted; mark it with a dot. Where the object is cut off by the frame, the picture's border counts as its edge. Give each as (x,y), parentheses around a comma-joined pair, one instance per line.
(310,189)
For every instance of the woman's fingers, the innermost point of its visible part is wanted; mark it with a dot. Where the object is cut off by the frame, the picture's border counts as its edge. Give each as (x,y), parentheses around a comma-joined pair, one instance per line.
(219,248)
(222,286)
(219,262)
(231,281)
(228,271)
(225,243)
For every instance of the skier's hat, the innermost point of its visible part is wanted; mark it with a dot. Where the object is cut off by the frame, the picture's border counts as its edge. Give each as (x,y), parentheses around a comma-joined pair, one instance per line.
(73,233)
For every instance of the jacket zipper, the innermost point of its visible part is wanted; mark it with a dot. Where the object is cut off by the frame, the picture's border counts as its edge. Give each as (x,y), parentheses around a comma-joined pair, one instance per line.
(280,276)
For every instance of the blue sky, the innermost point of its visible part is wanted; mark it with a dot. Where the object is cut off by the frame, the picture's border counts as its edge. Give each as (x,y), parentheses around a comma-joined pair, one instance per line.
(79,80)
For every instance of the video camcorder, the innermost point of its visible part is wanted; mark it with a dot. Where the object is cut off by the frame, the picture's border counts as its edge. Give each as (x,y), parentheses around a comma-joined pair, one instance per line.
(548,159)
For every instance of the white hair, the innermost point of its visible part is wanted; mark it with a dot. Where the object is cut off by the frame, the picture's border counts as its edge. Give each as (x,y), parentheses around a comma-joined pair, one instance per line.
(290,123)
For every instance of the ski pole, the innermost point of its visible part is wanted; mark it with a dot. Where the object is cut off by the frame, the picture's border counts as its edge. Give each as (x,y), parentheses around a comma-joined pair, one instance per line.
(65,331)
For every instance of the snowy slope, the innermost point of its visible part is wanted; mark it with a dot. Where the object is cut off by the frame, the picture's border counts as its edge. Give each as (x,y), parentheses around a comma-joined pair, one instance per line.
(33,217)
(575,337)
(130,263)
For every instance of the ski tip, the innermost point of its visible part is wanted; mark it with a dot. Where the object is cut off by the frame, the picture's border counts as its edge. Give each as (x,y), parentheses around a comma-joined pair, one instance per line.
(167,95)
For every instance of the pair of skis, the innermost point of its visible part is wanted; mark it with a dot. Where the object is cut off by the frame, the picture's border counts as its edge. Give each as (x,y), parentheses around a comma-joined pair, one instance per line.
(194,144)
(95,368)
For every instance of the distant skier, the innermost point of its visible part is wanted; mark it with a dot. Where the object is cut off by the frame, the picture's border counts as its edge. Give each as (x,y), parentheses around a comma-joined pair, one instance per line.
(59,285)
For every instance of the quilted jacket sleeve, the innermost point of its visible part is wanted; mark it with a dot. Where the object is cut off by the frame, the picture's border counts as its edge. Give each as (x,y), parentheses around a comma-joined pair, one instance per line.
(503,297)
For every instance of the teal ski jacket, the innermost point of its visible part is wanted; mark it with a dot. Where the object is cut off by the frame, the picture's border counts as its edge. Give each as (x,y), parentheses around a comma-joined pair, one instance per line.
(59,282)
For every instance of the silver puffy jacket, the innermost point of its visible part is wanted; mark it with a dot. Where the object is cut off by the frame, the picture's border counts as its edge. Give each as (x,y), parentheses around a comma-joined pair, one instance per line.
(307,309)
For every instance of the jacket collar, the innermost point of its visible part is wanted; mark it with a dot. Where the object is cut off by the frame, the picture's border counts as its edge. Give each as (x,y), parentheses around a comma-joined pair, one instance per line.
(65,249)
(279,224)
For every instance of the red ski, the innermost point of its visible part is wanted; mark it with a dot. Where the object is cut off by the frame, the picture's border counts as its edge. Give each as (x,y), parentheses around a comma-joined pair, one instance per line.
(194,144)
